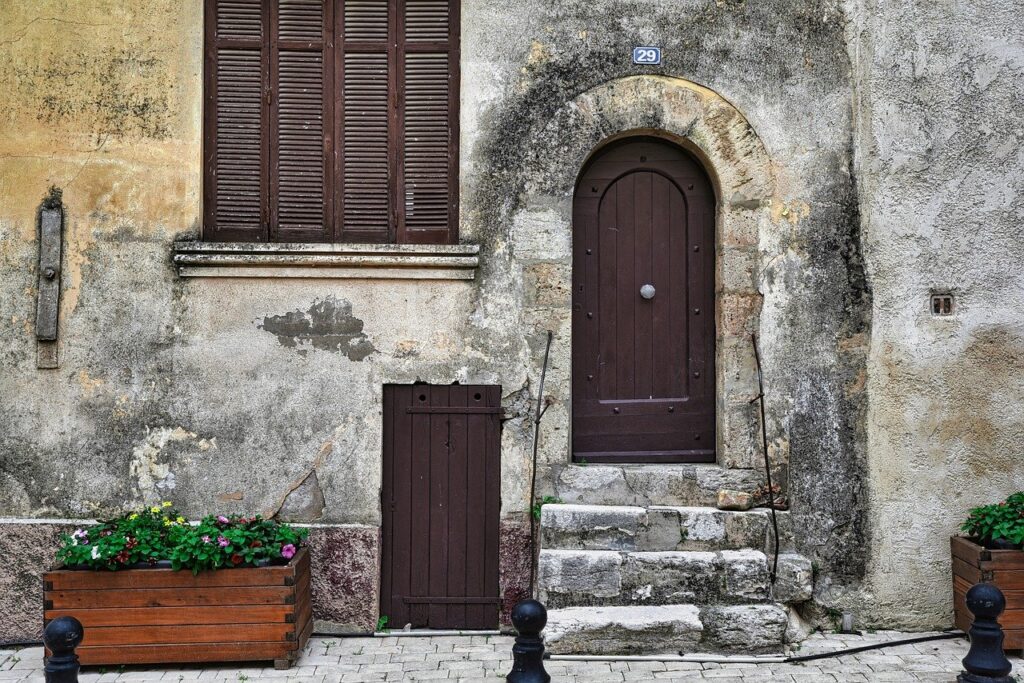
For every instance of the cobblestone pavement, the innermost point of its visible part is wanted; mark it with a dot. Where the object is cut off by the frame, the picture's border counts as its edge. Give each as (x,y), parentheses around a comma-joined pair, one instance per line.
(486,659)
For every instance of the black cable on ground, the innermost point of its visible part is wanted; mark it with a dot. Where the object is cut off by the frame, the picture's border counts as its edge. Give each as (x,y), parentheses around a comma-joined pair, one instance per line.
(875,646)
(4,644)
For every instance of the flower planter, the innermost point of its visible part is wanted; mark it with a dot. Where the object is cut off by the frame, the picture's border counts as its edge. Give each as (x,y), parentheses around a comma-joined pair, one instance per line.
(162,616)
(973,563)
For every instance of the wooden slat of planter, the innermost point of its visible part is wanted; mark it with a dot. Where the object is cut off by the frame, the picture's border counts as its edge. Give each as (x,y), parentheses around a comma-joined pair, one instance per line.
(969,552)
(65,579)
(168,597)
(1008,580)
(195,633)
(966,571)
(170,616)
(1013,639)
(176,653)
(1004,559)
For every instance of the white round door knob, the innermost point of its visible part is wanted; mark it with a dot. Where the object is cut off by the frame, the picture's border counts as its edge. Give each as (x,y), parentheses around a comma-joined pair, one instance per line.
(647,291)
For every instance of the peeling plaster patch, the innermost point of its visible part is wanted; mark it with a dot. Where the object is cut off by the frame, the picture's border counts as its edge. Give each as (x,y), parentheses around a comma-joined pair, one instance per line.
(328,325)
(306,503)
(89,384)
(793,212)
(155,478)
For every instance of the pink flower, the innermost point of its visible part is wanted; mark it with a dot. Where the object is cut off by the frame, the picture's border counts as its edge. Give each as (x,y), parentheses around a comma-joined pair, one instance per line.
(223,542)
(222,519)
(206,539)
(288,551)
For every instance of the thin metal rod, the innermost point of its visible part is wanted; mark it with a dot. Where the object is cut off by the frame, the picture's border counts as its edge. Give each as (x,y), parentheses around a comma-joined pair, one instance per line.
(767,464)
(541,409)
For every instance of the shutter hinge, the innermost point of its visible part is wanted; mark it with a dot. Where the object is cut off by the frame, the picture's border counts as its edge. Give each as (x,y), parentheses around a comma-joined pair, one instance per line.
(268,97)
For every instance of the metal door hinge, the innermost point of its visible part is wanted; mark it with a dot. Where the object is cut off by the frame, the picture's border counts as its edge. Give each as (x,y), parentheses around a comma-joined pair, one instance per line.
(51,240)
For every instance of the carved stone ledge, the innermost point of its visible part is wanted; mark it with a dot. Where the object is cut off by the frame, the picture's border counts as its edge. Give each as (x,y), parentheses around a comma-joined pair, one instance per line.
(347,261)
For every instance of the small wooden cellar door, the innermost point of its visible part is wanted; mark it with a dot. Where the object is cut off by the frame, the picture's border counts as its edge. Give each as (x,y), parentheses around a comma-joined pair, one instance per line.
(441,505)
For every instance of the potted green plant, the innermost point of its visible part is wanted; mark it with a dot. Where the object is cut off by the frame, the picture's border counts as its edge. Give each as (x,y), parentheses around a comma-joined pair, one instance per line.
(991,552)
(151,588)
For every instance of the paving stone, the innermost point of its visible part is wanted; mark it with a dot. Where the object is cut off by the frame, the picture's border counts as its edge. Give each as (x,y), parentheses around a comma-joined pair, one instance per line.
(488,659)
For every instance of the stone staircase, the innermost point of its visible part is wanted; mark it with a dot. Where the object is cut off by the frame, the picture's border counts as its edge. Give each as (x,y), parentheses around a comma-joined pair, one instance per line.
(651,577)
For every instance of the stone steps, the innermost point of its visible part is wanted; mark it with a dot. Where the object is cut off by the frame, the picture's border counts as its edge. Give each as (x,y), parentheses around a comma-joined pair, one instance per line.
(669,629)
(575,578)
(636,559)
(657,528)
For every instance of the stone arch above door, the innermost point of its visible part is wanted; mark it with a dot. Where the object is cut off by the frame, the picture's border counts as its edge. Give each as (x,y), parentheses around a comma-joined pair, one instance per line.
(711,128)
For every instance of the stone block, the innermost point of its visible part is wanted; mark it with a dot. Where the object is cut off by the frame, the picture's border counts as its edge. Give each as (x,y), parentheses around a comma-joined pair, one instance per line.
(548,284)
(567,577)
(740,433)
(746,574)
(703,526)
(794,581)
(744,628)
(670,577)
(542,235)
(592,527)
(747,529)
(595,485)
(798,629)
(711,479)
(734,500)
(664,531)
(623,630)
(739,314)
(739,269)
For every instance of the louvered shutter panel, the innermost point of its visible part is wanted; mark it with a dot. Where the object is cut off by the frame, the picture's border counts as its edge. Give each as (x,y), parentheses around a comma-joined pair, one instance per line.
(235,192)
(367,120)
(428,136)
(301,155)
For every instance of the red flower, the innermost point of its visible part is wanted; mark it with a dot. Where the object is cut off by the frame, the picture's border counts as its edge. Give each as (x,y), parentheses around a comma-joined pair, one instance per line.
(236,559)
(256,544)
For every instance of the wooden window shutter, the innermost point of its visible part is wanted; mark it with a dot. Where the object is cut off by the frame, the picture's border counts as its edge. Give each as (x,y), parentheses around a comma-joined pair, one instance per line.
(427,136)
(331,120)
(235,149)
(366,121)
(302,108)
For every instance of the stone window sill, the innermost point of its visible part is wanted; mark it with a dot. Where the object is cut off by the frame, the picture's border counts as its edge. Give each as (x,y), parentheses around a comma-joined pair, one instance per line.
(347,261)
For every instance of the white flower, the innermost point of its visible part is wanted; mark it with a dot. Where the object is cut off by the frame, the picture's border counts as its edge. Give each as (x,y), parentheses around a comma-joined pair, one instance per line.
(95,552)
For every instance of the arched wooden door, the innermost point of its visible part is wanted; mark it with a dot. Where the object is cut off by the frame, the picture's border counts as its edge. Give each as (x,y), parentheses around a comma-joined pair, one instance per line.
(643,306)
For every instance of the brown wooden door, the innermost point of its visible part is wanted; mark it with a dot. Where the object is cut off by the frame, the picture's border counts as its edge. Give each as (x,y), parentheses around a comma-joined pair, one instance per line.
(644,359)
(441,502)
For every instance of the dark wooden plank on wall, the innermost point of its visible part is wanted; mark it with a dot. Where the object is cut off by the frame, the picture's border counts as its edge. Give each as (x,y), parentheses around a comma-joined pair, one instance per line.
(441,499)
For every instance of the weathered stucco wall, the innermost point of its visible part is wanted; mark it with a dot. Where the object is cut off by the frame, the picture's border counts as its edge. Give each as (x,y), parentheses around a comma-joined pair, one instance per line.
(941,163)
(230,394)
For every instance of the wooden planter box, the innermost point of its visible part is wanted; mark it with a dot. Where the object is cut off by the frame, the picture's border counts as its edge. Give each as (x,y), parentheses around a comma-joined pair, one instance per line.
(161,616)
(973,563)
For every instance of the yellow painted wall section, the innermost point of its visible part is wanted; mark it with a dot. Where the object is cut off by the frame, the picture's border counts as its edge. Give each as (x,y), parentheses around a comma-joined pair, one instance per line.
(102,98)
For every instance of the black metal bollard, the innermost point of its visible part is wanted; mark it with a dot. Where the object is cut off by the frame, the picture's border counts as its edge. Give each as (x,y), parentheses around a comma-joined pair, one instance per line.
(62,636)
(529,617)
(985,661)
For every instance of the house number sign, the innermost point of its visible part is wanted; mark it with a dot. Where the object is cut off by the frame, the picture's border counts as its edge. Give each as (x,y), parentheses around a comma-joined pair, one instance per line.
(647,55)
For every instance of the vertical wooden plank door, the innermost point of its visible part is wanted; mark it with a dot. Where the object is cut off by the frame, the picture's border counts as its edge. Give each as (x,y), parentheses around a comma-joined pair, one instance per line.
(441,505)
(643,306)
